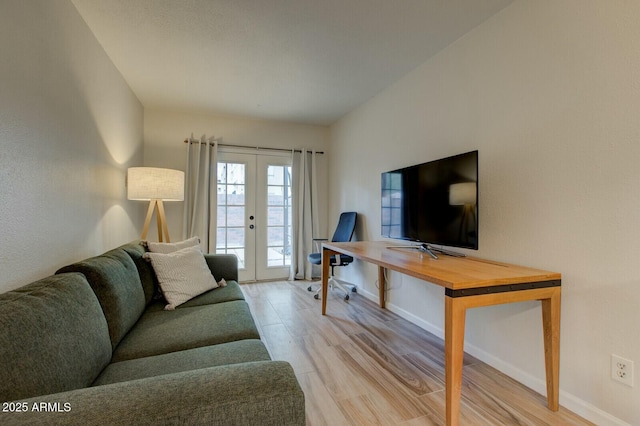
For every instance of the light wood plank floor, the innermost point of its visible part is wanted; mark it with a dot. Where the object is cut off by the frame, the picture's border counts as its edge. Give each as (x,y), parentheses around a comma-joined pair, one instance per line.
(361,365)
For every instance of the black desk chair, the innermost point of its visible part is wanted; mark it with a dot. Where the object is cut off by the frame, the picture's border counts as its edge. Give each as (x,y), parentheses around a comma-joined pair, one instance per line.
(344,232)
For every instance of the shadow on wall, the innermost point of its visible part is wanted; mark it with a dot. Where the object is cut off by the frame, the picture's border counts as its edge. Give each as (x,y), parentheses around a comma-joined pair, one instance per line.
(361,228)
(80,126)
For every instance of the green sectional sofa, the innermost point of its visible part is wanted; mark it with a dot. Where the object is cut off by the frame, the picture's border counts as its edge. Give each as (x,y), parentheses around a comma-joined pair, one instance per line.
(93,345)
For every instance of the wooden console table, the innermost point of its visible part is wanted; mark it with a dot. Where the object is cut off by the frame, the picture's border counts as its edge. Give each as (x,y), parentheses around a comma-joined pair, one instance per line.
(469,283)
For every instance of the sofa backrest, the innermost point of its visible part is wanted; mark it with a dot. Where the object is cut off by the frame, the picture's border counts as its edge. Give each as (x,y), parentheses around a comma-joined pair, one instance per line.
(114,278)
(150,285)
(53,337)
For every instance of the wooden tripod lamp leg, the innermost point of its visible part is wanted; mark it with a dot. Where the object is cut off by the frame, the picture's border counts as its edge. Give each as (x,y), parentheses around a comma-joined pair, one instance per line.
(163,229)
(161,220)
(147,220)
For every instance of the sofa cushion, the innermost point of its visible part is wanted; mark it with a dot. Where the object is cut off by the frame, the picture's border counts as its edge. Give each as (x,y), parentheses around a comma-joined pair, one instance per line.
(162,332)
(114,278)
(182,274)
(208,356)
(148,278)
(218,295)
(223,266)
(53,337)
(264,393)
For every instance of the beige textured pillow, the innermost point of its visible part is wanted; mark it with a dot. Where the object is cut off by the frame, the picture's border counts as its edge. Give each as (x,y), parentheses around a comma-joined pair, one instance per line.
(171,247)
(182,275)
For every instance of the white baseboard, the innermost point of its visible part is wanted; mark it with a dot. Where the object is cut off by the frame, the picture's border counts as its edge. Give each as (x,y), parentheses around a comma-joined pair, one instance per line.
(567,400)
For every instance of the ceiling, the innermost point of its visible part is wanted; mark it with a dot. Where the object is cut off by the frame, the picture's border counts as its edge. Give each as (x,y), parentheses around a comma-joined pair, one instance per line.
(305,61)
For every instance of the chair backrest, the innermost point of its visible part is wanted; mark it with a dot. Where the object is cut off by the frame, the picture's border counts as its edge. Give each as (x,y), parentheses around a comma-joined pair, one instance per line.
(346,227)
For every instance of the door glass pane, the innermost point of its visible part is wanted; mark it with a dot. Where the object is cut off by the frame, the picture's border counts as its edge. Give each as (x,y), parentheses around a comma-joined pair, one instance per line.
(221,239)
(222,218)
(235,195)
(235,237)
(222,173)
(276,236)
(275,175)
(239,254)
(276,195)
(222,195)
(278,216)
(236,173)
(276,258)
(235,216)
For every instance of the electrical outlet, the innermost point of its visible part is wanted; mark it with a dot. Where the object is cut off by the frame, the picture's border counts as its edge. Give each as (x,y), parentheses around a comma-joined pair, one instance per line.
(622,370)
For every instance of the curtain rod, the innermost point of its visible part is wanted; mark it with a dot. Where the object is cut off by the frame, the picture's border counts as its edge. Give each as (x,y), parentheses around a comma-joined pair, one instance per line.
(248,147)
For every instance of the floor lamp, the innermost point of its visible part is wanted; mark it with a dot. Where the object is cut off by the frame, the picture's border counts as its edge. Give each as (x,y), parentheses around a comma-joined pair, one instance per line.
(155,185)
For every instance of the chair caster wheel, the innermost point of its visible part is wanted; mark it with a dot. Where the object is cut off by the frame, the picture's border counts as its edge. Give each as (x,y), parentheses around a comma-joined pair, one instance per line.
(309,288)
(316,296)
(346,297)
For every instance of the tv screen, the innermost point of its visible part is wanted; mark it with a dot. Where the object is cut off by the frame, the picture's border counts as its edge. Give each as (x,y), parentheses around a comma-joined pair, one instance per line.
(434,202)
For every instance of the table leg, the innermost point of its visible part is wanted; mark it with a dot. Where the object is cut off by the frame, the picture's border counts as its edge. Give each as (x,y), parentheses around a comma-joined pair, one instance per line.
(551,330)
(455,314)
(382,282)
(326,261)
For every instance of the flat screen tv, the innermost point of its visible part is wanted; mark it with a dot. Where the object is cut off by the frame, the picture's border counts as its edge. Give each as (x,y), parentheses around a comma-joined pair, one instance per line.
(433,203)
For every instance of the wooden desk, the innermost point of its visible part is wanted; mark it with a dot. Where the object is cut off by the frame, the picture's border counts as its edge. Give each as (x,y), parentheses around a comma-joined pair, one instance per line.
(468,283)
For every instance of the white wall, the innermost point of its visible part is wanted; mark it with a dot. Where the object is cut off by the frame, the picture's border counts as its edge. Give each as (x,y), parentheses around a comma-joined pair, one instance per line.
(549,93)
(69,127)
(165,131)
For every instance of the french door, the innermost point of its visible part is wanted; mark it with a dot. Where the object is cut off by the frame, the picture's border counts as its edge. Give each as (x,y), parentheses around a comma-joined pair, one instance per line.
(254,213)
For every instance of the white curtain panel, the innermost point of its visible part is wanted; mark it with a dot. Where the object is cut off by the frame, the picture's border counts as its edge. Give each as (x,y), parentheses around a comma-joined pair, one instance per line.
(305,212)
(200,196)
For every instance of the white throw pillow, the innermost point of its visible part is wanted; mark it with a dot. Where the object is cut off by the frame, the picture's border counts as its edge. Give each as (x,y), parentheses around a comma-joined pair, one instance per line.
(182,275)
(171,247)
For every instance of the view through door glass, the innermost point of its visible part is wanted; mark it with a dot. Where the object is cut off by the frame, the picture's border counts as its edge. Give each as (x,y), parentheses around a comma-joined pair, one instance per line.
(254,214)
(231,236)
(275,241)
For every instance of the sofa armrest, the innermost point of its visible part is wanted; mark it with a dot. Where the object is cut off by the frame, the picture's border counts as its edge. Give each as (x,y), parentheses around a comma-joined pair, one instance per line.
(264,393)
(223,266)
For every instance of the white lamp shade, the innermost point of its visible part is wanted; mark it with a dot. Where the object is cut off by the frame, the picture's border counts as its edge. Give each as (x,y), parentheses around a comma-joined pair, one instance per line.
(461,194)
(152,183)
